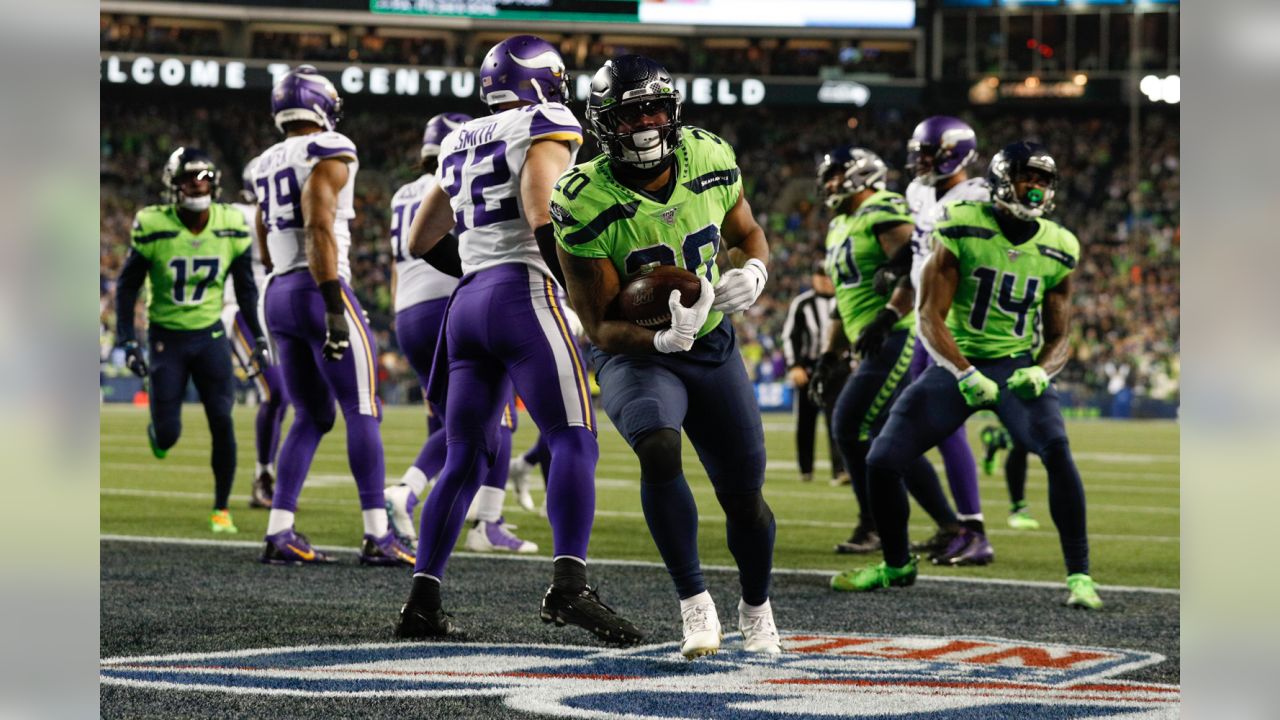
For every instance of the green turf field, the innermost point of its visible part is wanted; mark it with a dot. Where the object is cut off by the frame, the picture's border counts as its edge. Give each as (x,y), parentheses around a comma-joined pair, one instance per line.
(1130,471)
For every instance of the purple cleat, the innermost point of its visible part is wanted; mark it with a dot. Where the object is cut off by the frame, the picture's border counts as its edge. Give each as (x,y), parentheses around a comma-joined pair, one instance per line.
(968,547)
(385,550)
(292,548)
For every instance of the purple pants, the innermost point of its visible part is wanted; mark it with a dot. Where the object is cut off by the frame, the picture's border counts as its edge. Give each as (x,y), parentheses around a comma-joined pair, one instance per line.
(272,404)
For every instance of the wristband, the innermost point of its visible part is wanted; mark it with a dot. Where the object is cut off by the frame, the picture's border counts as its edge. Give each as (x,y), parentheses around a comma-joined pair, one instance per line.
(331,291)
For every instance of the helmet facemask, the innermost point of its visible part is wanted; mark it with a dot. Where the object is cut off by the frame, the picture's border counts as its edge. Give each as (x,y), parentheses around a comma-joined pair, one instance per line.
(1039,170)
(629,133)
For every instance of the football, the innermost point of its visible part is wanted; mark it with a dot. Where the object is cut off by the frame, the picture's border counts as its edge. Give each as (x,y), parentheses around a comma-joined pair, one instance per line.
(643,301)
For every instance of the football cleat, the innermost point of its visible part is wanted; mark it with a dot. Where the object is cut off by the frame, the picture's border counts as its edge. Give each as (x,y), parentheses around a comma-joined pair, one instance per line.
(875,577)
(220,522)
(421,624)
(385,550)
(935,544)
(841,479)
(759,633)
(968,547)
(862,541)
(400,500)
(1020,519)
(702,632)
(155,448)
(1084,592)
(518,473)
(291,548)
(806,477)
(497,537)
(263,489)
(584,609)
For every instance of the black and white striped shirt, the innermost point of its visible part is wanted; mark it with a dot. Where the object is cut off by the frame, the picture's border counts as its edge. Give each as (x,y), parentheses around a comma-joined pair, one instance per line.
(805,329)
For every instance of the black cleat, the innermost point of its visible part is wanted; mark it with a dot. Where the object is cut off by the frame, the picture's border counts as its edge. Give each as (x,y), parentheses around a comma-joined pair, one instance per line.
(585,610)
(935,545)
(862,541)
(263,487)
(420,624)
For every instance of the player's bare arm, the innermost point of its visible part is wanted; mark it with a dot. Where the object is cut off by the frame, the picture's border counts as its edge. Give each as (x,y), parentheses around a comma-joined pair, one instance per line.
(543,165)
(893,240)
(263,252)
(835,341)
(939,281)
(1054,314)
(746,243)
(593,286)
(433,221)
(319,210)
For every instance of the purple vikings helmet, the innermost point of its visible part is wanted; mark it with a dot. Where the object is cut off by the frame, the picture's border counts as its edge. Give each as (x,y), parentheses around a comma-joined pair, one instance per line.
(948,144)
(437,128)
(523,68)
(858,168)
(1020,161)
(304,94)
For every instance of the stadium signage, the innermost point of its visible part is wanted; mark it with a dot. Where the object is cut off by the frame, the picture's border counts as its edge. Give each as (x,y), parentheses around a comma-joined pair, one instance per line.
(818,674)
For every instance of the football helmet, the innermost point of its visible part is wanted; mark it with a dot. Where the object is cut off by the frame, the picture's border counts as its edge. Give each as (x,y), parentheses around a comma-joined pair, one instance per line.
(523,68)
(1014,163)
(304,94)
(624,92)
(437,128)
(859,168)
(247,193)
(183,163)
(947,143)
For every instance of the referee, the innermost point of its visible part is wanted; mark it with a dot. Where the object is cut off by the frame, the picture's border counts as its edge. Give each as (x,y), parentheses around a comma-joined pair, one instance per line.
(805,327)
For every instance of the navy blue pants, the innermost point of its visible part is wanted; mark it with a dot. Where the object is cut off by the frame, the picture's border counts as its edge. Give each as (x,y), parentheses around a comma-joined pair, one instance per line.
(203,357)
(931,409)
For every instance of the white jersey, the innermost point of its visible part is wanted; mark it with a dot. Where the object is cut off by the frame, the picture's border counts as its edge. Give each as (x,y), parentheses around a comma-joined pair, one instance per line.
(280,174)
(480,166)
(926,210)
(250,213)
(416,280)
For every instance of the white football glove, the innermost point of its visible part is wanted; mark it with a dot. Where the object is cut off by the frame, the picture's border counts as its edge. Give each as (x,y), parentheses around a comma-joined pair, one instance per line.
(685,322)
(739,288)
(575,322)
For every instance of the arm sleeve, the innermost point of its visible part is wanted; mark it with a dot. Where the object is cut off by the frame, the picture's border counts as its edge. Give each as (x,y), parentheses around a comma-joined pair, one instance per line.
(444,256)
(546,237)
(132,275)
(241,272)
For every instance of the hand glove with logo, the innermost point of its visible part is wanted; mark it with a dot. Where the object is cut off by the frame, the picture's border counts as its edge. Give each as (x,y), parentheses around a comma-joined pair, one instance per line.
(338,336)
(978,390)
(133,359)
(260,357)
(1028,383)
(685,322)
(828,377)
(739,288)
(872,337)
(885,279)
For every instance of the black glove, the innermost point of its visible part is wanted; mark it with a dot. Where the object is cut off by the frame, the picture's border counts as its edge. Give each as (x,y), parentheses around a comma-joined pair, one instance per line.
(885,279)
(338,337)
(259,358)
(873,335)
(828,377)
(133,359)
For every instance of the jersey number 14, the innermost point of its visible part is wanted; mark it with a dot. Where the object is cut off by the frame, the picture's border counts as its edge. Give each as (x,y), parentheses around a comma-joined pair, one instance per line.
(1018,309)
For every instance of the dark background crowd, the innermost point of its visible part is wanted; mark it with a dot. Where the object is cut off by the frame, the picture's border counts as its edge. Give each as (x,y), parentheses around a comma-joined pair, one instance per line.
(1125,324)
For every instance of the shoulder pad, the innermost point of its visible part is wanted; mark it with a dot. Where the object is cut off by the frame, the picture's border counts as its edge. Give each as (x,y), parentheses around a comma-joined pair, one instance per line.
(330,144)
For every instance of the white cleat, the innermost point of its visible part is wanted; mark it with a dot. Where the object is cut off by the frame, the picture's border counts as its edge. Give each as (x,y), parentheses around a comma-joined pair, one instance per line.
(518,473)
(497,537)
(702,632)
(398,514)
(759,633)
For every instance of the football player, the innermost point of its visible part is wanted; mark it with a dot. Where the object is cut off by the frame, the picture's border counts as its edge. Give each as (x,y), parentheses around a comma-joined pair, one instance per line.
(994,439)
(187,247)
(421,293)
(667,194)
(995,265)
(869,225)
(271,403)
(304,185)
(504,325)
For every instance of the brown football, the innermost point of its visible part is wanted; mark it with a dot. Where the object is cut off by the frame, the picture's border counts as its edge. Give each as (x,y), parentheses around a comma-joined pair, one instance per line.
(643,301)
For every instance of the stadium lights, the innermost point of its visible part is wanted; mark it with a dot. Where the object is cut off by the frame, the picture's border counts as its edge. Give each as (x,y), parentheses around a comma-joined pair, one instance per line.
(1168,89)
(1080,79)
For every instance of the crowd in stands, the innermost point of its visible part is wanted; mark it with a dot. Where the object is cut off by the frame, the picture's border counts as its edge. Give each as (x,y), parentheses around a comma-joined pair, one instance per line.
(1125,323)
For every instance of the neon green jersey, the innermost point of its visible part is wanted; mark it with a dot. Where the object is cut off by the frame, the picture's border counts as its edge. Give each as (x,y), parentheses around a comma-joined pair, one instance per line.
(854,253)
(1002,285)
(595,216)
(186,271)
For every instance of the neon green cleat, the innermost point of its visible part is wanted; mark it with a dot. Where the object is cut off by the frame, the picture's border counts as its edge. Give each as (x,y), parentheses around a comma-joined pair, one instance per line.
(1020,519)
(151,438)
(876,576)
(989,465)
(1084,593)
(220,522)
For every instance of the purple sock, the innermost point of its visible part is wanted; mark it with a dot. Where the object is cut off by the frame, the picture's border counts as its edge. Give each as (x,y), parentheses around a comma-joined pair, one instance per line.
(571,489)
(364,453)
(297,452)
(962,472)
(446,507)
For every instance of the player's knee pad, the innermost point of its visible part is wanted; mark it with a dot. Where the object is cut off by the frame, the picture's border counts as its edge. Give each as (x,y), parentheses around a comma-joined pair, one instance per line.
(659,454)
(1056,451)
(888,454)
(746,510)
(323,422)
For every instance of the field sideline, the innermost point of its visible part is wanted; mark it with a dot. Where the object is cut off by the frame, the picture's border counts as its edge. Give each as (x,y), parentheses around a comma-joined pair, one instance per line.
(1130,471)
